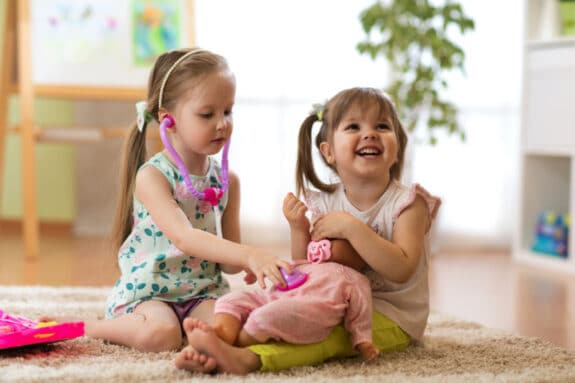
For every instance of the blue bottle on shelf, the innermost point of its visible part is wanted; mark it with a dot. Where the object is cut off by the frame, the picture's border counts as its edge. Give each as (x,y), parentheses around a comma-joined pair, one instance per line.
(552,233)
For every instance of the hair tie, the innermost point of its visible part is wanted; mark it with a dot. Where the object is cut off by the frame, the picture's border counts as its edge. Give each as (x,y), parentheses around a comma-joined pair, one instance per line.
(142,115)
(318,109)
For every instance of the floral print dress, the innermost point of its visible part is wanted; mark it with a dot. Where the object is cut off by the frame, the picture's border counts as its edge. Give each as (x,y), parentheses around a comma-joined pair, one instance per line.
(151,266)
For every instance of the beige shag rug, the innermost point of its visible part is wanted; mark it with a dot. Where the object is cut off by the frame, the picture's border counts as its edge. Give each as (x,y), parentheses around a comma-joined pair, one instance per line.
(454,351)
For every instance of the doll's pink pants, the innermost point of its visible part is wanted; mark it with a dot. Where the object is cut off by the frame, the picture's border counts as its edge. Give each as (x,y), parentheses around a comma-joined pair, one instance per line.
(333,294)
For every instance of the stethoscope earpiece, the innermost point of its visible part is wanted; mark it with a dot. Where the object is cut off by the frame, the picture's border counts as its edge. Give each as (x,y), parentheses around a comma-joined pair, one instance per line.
(168,121)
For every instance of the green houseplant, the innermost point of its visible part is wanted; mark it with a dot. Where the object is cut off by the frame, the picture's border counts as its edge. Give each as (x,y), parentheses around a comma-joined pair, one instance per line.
(412,36)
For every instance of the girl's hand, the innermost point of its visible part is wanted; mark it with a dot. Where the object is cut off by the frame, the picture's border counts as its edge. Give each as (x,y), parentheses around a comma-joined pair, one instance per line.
(294,210)
(335,224)
(263,265)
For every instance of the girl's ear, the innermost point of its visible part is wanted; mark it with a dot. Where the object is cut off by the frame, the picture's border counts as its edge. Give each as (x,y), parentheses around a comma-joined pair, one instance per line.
(326,152)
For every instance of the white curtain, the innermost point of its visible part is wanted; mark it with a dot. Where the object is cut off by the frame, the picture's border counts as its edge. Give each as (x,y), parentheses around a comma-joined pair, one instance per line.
(288,55)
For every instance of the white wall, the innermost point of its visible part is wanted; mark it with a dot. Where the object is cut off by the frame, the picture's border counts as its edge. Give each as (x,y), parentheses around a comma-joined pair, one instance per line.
(478,179)
(288,55)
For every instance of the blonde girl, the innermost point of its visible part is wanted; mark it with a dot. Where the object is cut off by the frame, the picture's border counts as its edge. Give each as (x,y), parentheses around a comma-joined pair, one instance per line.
(368,213)
(170,256)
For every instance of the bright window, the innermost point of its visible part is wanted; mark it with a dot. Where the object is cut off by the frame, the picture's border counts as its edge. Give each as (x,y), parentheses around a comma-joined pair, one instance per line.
(288,55)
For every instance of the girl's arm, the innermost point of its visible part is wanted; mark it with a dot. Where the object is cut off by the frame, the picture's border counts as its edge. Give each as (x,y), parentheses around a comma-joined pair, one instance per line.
(294,210)
(153,190)
(343,253)
(395,260)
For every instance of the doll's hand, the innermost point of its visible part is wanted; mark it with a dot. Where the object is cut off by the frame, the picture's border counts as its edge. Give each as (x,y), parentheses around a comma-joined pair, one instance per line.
(333,225)
(294,210)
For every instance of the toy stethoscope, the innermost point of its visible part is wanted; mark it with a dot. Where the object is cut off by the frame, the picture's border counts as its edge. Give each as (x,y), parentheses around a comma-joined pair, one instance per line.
(212,195)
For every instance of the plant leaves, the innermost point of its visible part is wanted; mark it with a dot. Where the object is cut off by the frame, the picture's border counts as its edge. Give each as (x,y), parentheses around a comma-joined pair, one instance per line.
(412,36)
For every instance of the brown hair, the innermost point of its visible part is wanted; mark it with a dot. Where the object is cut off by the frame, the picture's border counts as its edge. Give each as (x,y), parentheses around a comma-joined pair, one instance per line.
(333,112)
(183,76)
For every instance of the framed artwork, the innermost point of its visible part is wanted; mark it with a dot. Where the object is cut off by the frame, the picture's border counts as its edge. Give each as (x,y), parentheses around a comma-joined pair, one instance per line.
(103,45)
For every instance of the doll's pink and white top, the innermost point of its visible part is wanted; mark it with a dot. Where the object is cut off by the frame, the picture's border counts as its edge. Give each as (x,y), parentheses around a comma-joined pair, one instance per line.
(407,304)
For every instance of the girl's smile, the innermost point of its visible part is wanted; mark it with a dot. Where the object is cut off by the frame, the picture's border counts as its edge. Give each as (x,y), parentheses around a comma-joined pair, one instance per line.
(369,151)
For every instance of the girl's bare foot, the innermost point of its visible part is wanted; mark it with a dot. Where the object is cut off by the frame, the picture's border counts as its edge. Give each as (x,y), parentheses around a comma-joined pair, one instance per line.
(206,352)
(229,359)
(191,360)
(190,324)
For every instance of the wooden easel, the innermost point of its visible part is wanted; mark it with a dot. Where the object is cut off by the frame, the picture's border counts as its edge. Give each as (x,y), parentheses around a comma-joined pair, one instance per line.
(19,27)
(16,77)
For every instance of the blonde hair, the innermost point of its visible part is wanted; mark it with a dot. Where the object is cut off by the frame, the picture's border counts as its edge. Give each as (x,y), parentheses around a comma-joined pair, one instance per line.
(331,115)
(182,74)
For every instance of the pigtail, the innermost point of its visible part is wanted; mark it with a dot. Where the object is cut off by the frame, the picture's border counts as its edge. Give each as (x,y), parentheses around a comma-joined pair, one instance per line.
(134,157)
(135,154)
(397,168)
(305,172)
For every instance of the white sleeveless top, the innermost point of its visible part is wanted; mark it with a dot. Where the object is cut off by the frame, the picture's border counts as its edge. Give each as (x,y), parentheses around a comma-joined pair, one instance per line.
(407,304)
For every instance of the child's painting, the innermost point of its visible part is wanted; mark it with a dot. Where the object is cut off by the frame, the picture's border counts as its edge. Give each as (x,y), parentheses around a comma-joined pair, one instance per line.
(104,43)
(76,31)
(156,29)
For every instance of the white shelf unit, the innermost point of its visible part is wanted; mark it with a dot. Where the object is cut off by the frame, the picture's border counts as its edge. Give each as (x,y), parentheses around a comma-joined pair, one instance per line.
(547,151)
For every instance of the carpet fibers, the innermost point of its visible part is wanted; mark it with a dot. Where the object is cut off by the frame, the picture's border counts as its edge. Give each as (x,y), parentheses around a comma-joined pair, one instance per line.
(453,351)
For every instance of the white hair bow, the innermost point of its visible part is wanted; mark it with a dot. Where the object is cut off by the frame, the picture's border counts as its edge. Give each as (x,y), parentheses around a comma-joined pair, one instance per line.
(141,117)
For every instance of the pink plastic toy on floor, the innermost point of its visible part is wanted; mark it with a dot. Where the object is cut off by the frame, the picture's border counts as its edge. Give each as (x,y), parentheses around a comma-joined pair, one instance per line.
(18,331)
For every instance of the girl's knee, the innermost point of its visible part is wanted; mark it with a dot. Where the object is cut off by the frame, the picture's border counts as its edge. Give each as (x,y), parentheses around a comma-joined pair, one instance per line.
(159,337)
